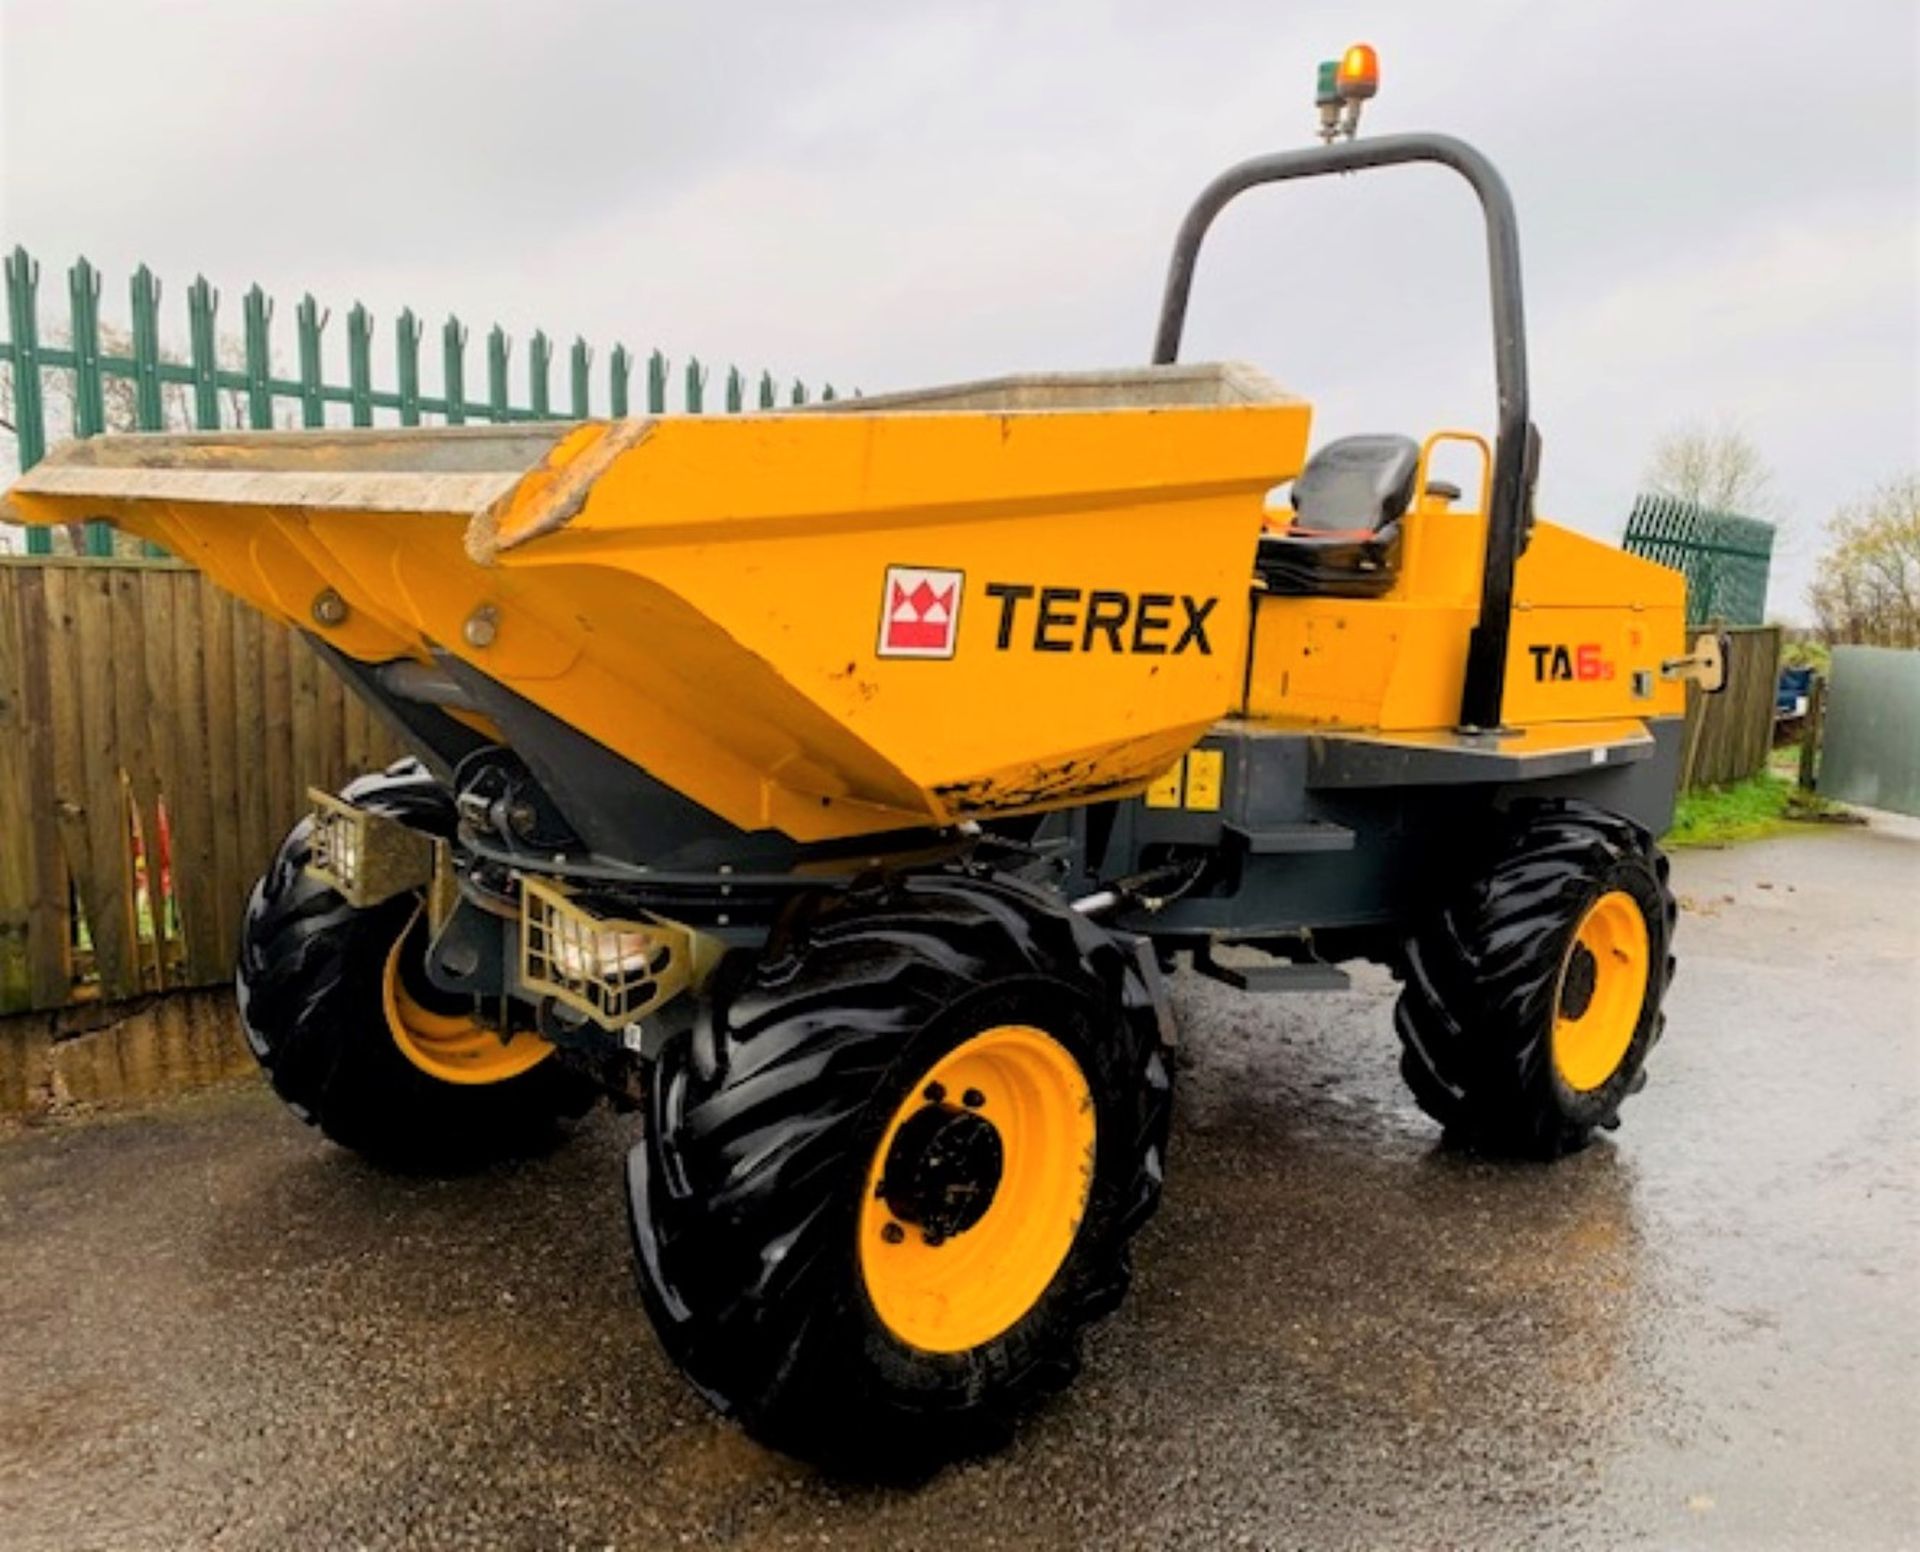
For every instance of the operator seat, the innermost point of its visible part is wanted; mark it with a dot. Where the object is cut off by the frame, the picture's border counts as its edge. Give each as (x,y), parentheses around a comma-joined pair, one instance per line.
(1344,540)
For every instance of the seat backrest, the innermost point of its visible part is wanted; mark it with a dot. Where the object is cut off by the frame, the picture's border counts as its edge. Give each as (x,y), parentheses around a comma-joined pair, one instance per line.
(1357,484)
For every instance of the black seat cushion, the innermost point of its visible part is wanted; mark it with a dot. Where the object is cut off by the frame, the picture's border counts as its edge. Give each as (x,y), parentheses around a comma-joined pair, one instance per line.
(1344,541)
(1358,484)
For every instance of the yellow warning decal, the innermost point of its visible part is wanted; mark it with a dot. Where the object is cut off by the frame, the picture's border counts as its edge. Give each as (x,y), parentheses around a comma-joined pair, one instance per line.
(1194,783)
(1165,792)
(1203,779)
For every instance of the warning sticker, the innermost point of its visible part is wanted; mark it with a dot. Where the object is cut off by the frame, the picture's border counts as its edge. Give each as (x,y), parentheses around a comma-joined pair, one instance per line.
(920,612)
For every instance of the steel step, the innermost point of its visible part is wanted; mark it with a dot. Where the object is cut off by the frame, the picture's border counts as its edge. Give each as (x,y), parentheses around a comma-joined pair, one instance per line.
(1275,840)
(1279,975)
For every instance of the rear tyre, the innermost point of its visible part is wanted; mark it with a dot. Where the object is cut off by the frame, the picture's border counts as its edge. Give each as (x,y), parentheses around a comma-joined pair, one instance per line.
(894,1171)
(338,1012)
(1533,996)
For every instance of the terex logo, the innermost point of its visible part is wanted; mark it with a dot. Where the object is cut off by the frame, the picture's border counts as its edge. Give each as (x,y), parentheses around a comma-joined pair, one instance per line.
(920,612)
(1583,662)
(1071,619)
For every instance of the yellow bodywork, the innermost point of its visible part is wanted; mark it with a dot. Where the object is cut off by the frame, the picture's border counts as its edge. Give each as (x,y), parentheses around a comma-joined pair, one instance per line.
(1395,663)
(714,598)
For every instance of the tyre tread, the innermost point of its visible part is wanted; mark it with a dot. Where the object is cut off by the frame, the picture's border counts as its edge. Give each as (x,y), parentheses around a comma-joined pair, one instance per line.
(1481,973)
(739,1192)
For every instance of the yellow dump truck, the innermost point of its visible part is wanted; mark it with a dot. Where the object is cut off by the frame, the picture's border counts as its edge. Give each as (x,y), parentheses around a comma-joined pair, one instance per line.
(840,785)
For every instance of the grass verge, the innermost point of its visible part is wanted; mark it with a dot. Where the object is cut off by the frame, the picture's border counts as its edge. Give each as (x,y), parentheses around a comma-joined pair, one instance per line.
(1745,811)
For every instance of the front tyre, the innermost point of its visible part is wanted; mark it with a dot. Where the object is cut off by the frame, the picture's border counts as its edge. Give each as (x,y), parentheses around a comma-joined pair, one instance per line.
(336,1006)
(893,1173)
(1533,995)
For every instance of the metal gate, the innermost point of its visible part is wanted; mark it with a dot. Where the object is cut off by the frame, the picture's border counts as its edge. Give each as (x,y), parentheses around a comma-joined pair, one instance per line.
(1870,747)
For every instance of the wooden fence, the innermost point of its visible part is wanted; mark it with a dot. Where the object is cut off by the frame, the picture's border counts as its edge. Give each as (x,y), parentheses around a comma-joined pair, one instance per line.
(1729,734)
(156,741)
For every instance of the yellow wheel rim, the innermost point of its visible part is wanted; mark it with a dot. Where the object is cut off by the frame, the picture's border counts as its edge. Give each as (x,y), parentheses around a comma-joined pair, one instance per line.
(977,1190)
(1601,991)
(453,1047)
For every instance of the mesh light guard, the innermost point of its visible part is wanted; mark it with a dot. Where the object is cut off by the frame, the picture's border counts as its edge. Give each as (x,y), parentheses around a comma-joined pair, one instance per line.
(607,969)
(367,857)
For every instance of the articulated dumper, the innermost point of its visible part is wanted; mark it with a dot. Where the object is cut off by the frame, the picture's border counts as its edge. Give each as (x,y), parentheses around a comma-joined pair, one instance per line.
(839,787)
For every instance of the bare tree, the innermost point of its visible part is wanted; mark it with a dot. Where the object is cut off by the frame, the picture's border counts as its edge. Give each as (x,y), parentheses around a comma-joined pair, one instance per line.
(1718,468)
(1867,588)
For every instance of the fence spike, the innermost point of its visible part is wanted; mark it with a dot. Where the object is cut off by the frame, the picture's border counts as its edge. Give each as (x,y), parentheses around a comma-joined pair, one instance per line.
(619,374)
(148,412)
(406,365)
(89,391)
(581,364)
(203,348)
(696,389)
(656,384)
(309,320)
(89,387)
(498,347)
(257,310)
(539,358)
(769,394)
(23,355)
(453,369)
(360,364)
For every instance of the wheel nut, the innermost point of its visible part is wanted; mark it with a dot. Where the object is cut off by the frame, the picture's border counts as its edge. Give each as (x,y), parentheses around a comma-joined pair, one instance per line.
(893,1233)
(934,1093)
(973,1099)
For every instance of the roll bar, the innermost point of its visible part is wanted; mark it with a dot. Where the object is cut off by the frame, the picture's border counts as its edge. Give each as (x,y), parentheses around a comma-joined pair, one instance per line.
(1516,444)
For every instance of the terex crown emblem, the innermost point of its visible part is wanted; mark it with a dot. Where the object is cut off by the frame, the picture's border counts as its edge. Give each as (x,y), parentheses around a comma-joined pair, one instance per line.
(920,612)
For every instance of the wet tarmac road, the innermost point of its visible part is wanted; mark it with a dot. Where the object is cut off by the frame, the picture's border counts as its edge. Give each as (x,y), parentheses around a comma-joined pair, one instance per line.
(217,1331)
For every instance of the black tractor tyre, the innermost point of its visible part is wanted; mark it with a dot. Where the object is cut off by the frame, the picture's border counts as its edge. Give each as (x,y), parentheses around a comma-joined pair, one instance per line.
(747,1189)
(1486,973)
(310,990)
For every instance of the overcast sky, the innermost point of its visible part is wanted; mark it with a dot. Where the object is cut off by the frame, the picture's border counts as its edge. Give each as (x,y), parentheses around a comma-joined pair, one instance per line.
(1719,201)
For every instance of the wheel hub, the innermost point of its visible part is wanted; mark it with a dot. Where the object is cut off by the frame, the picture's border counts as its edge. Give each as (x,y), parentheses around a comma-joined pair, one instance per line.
(943,1170)
(455,1047)
(1583,974)
(972,1207)
(1604,984)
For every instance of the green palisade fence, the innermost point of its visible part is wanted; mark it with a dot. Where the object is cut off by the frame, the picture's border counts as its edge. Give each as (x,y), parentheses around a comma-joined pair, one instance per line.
(223,388)
(1726,558)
